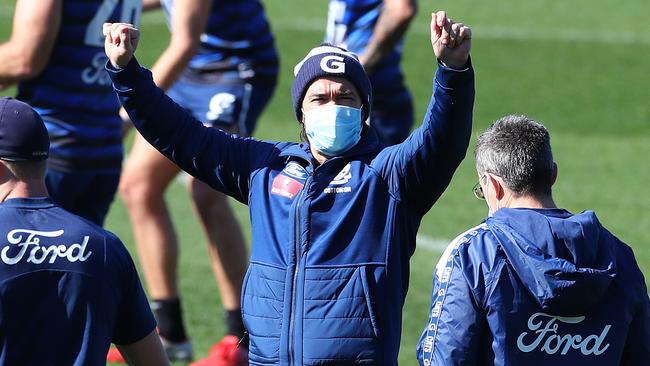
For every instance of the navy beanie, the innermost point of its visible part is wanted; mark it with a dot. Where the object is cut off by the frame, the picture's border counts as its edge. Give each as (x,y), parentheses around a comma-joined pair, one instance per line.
(23,135)
(327,60)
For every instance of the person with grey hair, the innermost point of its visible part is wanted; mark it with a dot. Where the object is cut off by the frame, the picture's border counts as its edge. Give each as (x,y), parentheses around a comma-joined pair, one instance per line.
(533,284)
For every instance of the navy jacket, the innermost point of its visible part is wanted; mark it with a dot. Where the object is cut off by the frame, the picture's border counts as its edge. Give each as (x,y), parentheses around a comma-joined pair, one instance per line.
(538,287)
(329,266)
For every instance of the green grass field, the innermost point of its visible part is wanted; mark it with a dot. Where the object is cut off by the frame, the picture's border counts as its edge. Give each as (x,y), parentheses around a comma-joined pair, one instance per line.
(581,67)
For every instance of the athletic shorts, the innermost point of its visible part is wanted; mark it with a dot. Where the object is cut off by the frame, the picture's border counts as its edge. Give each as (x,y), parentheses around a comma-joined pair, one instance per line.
(85,194)
(224,99)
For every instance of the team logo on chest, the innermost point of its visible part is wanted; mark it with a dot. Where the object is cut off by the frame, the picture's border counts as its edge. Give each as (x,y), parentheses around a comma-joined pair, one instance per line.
(290,180)
(295,170)
(342,178)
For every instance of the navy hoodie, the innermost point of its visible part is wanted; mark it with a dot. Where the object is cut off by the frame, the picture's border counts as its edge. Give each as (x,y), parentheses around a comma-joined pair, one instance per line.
(537,287)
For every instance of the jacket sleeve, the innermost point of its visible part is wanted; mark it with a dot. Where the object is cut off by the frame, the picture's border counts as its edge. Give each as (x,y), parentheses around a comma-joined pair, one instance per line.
(420,168)
(223,161)
(637,344)
(453,334)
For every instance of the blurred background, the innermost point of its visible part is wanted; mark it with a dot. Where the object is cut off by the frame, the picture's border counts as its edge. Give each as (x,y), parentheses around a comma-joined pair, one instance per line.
(581,67)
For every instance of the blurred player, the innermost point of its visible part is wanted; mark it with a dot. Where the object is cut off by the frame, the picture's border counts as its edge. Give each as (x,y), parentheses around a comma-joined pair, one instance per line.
(55,54)
(221,65)
(374,30)
(67,287)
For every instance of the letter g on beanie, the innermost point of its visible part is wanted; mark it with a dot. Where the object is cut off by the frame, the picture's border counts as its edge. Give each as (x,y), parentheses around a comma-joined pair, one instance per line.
(327,60)
(23,135)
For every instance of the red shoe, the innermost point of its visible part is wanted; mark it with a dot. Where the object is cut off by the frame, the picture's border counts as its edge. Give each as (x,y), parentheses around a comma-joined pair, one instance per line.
(114,355)
(225,353)
(176,352)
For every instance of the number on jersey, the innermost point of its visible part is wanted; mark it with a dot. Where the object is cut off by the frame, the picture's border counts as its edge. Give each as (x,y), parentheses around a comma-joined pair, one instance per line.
(131,10)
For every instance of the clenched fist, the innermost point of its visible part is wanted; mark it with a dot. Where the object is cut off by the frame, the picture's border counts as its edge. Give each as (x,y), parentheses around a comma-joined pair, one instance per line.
(451,41)
(120,42)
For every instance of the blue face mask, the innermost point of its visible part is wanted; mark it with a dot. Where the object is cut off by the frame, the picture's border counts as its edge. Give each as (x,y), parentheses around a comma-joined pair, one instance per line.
(333,129)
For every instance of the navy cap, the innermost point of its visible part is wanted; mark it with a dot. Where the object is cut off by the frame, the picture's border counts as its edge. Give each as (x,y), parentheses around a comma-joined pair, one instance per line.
(327,60)
(23,135)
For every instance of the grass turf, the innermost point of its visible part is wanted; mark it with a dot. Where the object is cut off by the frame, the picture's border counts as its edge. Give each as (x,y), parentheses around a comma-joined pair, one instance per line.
(580,67)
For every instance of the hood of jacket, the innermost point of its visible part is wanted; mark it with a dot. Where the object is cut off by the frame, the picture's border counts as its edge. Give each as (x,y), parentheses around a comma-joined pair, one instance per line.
(565,261)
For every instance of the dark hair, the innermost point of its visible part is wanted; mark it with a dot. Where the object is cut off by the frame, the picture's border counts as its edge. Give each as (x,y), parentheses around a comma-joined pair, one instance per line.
(517,149)
(26,169)
(303,133)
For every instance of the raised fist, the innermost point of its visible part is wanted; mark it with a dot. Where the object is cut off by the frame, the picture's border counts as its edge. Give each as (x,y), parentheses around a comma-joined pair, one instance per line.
(120,42)
(451,41)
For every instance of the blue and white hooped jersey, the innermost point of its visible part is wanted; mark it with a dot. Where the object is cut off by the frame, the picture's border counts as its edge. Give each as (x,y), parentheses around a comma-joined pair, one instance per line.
(350,24)
(74,94)
(237,38)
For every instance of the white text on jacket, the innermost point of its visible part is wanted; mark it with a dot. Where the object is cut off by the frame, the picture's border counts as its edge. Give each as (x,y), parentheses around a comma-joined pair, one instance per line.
(25,238)
(551,342)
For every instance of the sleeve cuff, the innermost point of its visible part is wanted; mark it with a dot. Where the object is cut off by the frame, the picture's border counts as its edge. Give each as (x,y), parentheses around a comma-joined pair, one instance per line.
(450,78)
(124,78)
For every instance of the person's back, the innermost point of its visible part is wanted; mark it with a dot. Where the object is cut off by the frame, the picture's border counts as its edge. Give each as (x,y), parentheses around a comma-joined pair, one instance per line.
(534,284)
(65,283)
(67,287)
(556,288)
(569,266)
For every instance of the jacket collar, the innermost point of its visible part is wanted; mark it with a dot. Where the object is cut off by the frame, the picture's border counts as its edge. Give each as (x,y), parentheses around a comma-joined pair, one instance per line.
(28,202)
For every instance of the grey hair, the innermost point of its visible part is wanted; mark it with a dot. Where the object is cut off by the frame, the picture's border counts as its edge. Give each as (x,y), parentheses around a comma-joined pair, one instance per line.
(517,149)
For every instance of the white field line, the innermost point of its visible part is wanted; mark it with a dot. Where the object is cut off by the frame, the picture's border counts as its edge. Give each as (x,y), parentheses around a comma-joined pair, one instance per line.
(430,243)
(485,32)
(480,31)
(500,33)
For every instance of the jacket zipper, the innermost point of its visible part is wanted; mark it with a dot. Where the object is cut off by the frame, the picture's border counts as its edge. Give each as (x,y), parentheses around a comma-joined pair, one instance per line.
(297,267)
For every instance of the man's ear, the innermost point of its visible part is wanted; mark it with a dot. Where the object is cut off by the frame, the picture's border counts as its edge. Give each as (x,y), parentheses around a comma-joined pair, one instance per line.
(554,174)
(497,186)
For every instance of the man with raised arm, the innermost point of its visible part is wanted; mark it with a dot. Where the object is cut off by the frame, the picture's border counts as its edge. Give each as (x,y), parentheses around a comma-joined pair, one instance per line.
(334,218)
